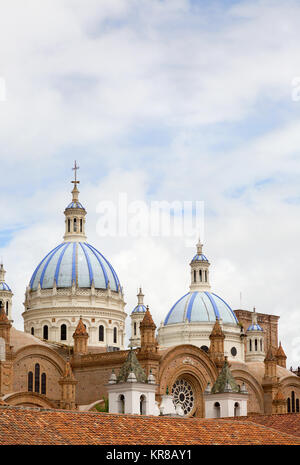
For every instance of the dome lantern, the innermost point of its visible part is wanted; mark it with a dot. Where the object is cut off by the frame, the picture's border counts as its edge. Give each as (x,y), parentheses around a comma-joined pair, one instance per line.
(199,271)
(75,215)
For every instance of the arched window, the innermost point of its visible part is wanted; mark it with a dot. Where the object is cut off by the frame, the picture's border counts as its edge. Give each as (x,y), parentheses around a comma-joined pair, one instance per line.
(69,225)
(142,405)
(81,225)
(30,381)
(289,405)
(43,383)
(205,348)
(195,277)
(63,332)
(297,405)
(200,275)
(217,408)
(121,404)
(255,343)
(101,333)
(134,328)
(37,378)
(250,345)
(45,332)
(236,409)
(75,225)
(6,308)
(261,347)
(205,276)
(115,335)
(32,331)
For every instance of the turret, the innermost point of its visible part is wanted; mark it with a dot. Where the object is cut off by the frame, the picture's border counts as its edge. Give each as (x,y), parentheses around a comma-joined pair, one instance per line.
(68,386)
(5,293)
(147,329)
(255,341)
(280,356)
(80,337)
(216,350)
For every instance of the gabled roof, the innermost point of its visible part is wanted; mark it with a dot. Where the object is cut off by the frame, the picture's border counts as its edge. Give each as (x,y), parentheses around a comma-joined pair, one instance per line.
(20,425)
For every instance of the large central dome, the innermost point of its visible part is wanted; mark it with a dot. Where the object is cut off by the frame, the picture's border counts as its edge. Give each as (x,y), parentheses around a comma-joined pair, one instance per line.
(74,262)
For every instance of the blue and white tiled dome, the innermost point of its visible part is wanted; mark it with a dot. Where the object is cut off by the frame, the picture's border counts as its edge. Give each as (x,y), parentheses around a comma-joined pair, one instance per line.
(4,287)
(75,205)
(77,262)
(200,306)
(255,327)
(139,309)
(200,258)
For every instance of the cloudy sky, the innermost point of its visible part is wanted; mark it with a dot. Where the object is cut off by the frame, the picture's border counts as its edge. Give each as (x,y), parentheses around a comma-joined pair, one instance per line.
(185,100)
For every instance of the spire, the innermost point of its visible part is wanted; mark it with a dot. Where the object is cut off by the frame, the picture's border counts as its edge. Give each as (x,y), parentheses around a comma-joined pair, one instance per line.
(80,337)
(80,329)
(75,214)
(280,356)
(199,247)
(131,365)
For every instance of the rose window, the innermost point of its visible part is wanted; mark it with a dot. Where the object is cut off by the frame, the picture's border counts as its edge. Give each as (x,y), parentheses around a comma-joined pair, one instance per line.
(183,394)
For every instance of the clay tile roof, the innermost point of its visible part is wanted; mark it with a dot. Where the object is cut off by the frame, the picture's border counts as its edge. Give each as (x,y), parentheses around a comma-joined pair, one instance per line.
(217,330)
(287,422)
(147,320)
(280,351)
(20,425)
(80,329)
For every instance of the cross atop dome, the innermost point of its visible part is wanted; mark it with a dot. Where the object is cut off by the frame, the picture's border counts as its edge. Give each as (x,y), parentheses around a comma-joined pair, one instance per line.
(75,213)
(75,174)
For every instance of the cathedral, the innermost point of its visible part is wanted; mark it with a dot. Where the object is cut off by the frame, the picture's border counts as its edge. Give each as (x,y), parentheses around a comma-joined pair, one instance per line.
(72,353)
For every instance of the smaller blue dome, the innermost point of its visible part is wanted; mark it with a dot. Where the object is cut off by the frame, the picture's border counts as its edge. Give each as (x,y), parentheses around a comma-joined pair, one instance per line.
(200,258)
(139,309)
(255,328)
(75,205)
(4,287)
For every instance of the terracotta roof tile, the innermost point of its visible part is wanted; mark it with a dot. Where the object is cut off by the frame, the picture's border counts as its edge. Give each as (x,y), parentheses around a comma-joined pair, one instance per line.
(148,320)
(280,351)
(287,422)
(37,426)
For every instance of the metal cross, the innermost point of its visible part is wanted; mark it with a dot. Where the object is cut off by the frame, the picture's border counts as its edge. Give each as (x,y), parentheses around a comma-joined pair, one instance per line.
(75,169)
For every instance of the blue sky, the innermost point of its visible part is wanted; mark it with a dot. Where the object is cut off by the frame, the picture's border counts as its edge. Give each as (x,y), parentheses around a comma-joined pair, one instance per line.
(163,100)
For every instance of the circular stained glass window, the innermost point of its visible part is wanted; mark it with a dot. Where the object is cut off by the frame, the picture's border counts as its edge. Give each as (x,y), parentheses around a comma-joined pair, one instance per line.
(183,394)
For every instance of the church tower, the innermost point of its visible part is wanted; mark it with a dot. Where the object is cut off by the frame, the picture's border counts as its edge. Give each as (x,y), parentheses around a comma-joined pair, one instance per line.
(255,341)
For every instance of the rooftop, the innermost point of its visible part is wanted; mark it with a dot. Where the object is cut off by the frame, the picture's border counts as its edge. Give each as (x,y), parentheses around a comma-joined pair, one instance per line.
(20,425)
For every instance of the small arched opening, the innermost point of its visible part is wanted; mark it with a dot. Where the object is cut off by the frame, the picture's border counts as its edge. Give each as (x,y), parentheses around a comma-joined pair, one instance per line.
(217,410)
(101,333)
(142,405)
(45,332)
(121,404)
(115,335)
(237,409)
(63,332)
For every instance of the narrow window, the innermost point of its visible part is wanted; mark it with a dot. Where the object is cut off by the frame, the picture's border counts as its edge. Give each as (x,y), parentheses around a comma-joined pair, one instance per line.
(195,276)
(250,345)
(261,345)
(63,332)
(30,381)
(142,405)
(43,383)
(205,276)
(293,401)
(75,225)
(135,329)
(200,275)
(289,405)
(81,225)
(121,403)
(37,378)
(115,335)
(69,225)
(101,333)
(45,332)
(255,342)
(6,308)
(297,405)
(32,331)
